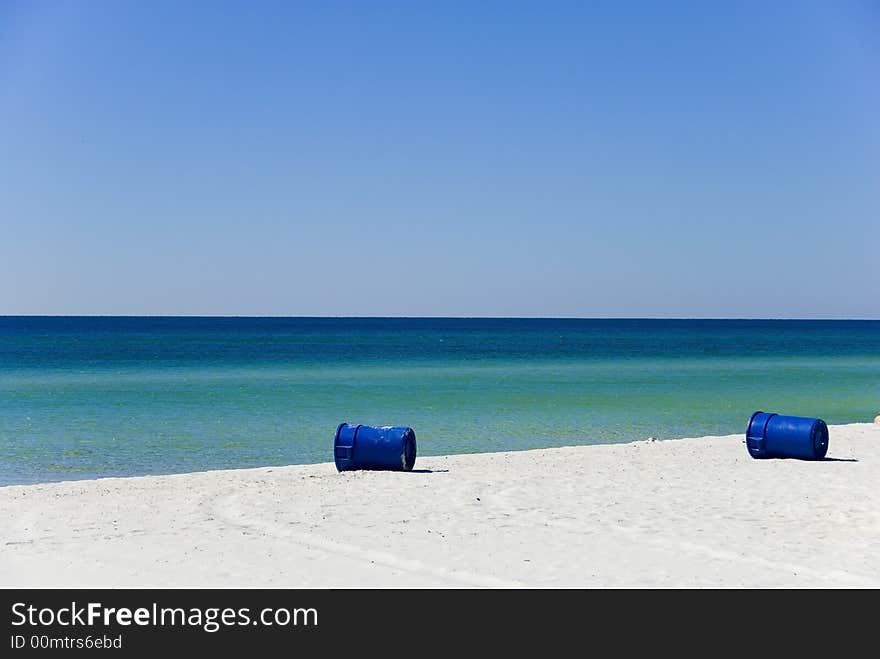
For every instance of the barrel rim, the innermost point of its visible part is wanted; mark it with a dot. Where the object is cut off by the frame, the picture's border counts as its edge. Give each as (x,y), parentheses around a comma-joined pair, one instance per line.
(409,440)
(751,420)
(755,443)
(336,459)
(820,446)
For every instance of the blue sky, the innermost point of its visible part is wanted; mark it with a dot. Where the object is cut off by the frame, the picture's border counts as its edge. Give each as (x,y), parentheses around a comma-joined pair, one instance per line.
(578,159)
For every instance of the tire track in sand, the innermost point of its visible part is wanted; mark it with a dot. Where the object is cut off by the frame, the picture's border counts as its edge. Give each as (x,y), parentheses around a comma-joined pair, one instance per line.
(230,509)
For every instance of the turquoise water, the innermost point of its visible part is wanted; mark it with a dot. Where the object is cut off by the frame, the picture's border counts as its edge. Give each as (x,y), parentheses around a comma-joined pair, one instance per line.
(92,397)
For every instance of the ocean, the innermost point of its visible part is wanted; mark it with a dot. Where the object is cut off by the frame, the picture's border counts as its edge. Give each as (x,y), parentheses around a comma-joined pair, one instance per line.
(90,397)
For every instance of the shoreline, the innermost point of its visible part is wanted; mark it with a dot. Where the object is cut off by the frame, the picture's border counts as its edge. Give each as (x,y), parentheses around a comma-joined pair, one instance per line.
(420,458)
(689,512)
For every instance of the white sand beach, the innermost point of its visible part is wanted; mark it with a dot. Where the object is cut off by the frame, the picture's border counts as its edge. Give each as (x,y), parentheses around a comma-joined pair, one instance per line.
(678,513)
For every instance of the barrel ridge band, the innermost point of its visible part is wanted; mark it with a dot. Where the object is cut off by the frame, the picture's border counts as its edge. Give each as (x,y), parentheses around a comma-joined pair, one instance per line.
(354,439)
(764,430)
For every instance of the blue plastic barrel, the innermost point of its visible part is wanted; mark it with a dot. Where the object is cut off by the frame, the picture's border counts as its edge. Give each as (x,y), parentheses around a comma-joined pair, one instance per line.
(776,436)
(369,447)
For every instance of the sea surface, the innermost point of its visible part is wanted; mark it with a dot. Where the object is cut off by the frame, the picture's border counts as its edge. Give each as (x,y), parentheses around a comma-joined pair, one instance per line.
(88,397)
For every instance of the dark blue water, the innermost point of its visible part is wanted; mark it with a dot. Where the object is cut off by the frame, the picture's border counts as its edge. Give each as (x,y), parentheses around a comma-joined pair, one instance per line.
(90,397)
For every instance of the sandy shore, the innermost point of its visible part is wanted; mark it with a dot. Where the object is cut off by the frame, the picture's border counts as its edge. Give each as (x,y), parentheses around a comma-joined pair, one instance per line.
(680,513)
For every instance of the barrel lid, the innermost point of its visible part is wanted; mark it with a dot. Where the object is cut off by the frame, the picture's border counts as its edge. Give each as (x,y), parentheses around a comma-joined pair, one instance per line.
(819,437)
(409,449)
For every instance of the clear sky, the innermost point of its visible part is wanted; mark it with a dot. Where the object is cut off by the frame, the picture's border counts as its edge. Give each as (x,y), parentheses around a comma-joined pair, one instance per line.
(582,159)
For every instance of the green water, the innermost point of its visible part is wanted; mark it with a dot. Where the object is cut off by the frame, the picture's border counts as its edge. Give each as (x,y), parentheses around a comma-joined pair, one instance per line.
(92,397)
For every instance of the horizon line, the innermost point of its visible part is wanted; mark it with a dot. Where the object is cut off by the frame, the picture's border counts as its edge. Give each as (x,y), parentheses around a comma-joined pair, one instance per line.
(427,317)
